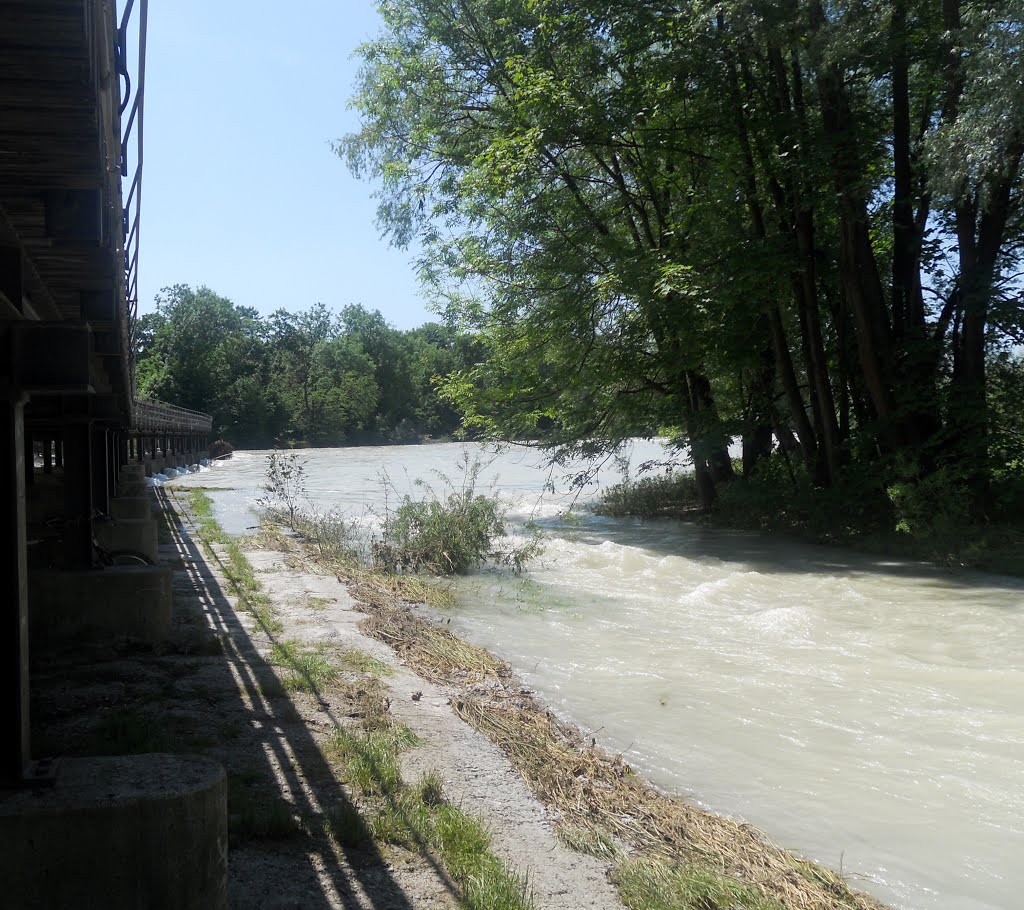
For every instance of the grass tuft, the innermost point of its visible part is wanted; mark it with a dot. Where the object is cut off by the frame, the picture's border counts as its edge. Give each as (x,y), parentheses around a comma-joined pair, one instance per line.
(431,790)
(592,842)
(647,884)
(310,669)
(345,826)
(357,661)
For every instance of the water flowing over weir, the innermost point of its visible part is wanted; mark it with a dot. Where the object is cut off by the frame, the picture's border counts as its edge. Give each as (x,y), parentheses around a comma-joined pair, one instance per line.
(864,712)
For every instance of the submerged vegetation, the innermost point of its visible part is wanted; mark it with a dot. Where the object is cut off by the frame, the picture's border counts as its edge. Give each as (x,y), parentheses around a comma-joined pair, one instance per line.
(929,520)
(452,530)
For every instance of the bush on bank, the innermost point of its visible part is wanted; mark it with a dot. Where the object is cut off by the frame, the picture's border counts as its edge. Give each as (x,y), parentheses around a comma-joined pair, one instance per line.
(903,511)
(451,532)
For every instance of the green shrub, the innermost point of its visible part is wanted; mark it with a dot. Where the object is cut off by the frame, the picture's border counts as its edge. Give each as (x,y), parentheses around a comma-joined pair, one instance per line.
(450,533)
(650,497)
(285,485)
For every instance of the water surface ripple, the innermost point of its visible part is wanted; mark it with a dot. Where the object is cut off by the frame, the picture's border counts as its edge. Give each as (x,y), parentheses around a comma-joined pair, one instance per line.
(866,713)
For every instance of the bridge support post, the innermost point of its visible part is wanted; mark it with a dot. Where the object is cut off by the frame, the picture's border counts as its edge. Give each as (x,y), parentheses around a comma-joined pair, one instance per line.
(29,457)
(16,754)
(99,444)
(78,493)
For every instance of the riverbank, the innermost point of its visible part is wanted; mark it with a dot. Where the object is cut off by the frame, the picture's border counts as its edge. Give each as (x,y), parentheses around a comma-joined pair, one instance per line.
(593,802)
(349,759)
(866,523)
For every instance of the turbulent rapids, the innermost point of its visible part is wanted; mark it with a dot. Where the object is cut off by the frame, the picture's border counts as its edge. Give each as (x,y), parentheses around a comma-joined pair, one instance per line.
(863,712)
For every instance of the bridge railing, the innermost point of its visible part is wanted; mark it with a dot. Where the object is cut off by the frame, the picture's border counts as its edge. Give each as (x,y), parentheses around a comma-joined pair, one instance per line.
(150,416)
(131,35)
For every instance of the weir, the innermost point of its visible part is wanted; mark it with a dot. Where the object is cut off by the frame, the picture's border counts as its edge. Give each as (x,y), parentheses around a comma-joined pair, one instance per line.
(78,446)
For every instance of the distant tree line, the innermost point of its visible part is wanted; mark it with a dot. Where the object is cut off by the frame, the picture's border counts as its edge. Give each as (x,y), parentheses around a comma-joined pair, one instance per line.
(313,377)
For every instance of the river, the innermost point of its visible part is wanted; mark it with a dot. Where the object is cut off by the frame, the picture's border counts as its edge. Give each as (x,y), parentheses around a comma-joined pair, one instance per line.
(866,713)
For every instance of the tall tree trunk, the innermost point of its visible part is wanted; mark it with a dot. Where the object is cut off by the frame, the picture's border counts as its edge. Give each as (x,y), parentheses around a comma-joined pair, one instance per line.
(905,273)
(713,445)
(797,221)
(757,436)
(779,347)
(858,267)
(791,388)
(814,349)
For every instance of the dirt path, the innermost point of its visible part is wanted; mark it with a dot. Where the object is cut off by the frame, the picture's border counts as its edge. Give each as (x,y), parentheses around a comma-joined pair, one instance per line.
(476,773)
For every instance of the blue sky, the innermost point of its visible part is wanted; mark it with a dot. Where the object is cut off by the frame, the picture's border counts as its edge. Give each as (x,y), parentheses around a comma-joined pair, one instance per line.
(241,191)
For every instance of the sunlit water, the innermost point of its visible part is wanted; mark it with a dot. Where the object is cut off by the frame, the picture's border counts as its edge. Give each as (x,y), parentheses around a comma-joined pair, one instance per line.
(865,713)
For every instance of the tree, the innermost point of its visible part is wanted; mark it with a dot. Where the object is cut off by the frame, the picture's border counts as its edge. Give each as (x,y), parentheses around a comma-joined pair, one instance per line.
(758,219)
(203,352)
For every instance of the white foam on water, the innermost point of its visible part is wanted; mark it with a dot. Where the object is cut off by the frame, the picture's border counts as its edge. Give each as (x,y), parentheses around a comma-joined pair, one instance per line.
(865,712)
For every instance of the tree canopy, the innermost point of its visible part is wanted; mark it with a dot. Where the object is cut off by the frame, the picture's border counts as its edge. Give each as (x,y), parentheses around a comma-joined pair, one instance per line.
(310,377)
(796,222)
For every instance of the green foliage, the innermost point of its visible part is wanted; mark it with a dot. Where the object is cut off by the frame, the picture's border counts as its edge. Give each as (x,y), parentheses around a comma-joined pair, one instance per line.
(650,497)
(285,486)
(741,220)
(371,758)
(309,669)
(255,813)
(311,377)
(451,532)
(346,826)
(654,885)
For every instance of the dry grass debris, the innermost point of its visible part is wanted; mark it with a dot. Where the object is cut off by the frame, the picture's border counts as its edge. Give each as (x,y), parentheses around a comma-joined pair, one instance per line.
(597,794)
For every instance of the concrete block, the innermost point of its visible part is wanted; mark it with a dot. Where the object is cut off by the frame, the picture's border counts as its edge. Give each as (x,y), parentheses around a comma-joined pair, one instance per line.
(131,488)
(134,471)
(43,501)
(138,534)
(129,507)
(100,603)
(122,831)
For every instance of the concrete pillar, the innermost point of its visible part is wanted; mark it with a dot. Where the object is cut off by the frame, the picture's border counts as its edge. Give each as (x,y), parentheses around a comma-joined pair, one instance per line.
(138,534)
(100,604)
(47,456)
(113,460)
(129,507)
(58,453)
(15,753)
(78,492)
(29,457)
(99,440)
(132,472)
(119,831)
(127,487)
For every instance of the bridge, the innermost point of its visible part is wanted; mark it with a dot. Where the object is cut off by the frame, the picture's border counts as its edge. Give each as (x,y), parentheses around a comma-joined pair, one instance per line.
(79,443)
